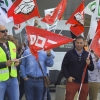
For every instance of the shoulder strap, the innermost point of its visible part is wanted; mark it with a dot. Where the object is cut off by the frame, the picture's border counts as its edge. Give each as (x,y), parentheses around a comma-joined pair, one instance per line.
(40,68)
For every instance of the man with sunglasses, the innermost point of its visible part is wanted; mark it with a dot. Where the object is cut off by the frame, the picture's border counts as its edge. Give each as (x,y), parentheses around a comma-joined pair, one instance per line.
(73,66)
(8,71)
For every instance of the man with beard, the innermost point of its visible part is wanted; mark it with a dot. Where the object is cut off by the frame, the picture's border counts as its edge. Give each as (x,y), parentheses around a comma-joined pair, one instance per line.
(8,71)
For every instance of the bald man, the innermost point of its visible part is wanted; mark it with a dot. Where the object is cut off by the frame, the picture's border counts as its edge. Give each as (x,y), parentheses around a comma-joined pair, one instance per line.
(8,71)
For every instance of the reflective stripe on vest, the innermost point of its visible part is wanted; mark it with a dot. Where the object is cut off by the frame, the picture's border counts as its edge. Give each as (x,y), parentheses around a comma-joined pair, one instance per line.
(4,72)
(13,67)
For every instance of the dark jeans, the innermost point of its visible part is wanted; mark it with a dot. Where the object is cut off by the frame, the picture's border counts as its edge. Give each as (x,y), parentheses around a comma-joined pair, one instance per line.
(34,89)
(21,88)
(48,94)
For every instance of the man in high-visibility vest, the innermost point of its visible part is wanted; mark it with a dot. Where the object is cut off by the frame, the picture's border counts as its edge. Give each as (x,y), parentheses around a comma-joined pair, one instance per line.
(8,72)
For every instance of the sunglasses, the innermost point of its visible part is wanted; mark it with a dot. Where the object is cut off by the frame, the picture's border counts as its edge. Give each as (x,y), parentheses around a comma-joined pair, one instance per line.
(4,31)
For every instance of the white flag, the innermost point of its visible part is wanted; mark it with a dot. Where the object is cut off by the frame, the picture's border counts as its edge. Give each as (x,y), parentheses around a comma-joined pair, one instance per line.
(90,8)
(3,18)
(97,11)
(19,27)
(94,19)
(4,6)
(92,30)
(54,25)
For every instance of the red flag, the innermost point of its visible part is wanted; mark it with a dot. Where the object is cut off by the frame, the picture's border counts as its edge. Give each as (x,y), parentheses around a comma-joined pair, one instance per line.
(22,11)
(98,27)
(42,39)
(57,14)
(77,29)
(77,20)
(95,45)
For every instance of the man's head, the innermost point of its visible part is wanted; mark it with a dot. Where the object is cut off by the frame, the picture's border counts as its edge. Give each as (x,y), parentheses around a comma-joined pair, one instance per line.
(79,43)
(3,33)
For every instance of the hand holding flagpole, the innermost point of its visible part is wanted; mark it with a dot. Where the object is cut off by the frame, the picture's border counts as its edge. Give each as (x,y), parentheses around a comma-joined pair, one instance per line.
(83,76)
(84,72)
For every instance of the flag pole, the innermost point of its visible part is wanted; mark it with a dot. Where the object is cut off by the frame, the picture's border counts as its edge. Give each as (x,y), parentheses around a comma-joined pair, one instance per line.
(21,37)
(62,29)
(83,76)
(22,57)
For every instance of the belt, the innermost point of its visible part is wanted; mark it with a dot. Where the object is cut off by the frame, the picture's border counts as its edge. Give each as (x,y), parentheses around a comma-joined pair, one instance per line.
(36,78)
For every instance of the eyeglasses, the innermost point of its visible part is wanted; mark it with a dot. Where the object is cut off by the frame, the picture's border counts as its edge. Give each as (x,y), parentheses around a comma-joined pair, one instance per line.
(79,58)
(4,31)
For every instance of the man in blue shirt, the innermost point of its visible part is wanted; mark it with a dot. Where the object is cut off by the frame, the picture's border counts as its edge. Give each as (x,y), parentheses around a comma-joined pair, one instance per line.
(32,75)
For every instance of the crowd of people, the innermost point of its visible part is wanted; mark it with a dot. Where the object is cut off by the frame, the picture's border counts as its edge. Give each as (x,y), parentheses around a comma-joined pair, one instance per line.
(30,76)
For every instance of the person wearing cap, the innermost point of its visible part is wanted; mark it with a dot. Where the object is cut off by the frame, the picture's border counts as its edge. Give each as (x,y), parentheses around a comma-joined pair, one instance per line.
(8,70)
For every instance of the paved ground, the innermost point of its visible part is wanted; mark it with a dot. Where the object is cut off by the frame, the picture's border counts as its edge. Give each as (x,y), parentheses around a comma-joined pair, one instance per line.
(52,92)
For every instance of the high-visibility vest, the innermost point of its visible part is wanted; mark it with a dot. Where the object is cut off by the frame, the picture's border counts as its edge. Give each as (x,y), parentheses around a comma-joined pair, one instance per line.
(4,72)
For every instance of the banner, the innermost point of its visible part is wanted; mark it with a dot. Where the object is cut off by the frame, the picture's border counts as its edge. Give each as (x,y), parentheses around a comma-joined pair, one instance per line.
(77,20)
(40,41)
(54,25)
(4,7)
(23,10)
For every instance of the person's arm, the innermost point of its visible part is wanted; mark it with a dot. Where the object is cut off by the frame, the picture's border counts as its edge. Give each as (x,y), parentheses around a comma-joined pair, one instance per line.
(98,64)
(91,65)
(65,65)
(53,54)
(49,59)
(3,65)
(22,66)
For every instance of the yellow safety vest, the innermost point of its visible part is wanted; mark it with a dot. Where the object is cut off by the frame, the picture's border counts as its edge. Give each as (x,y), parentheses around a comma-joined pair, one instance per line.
(4,72)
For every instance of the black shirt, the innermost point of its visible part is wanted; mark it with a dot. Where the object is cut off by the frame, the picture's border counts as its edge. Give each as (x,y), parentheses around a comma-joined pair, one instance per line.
(73,65)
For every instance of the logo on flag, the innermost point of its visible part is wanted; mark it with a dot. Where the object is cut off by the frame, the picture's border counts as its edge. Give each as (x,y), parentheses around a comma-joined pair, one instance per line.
(23,10)
(25,7)
(77,20)
(4,6)
(39,41)
(79,17)
(91,7)
(53,26)
(57,14)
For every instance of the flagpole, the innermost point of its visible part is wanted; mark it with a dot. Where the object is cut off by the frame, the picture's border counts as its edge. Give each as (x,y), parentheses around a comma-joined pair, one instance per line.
(21,37)
(62,29)
(22,57)
(40,23)
(83,76)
